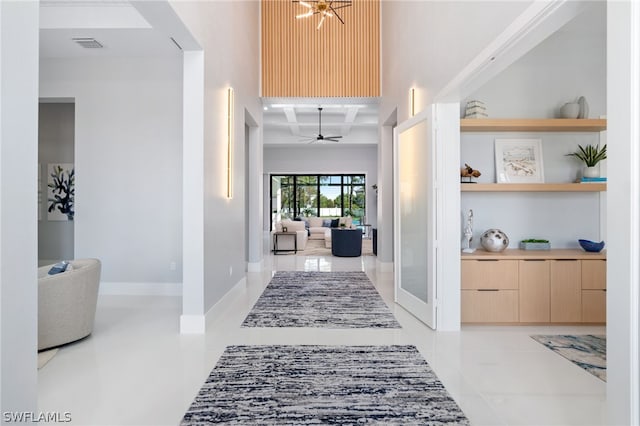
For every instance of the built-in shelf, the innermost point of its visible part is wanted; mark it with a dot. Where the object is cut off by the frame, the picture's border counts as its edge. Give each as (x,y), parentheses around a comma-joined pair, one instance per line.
(533,187)
(533,125)
(517,254)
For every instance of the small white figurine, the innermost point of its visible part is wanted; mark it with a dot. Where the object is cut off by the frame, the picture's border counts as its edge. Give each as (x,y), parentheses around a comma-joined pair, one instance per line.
(468,234)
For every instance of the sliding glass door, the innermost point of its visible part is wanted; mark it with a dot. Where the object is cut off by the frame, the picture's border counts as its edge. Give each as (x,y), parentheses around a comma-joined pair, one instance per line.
(318,195)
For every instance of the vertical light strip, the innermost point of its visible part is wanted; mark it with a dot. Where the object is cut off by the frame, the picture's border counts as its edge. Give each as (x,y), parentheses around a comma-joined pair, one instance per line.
(230,142)
(412,101)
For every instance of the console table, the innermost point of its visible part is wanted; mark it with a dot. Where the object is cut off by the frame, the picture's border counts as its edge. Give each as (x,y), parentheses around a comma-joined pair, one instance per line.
(276,235)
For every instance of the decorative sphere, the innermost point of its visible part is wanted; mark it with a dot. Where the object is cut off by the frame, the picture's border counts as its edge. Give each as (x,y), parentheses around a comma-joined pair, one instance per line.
(494,240)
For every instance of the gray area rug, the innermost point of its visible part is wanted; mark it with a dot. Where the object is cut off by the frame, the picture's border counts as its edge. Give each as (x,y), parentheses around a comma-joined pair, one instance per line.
(586,351)
(320,299)
(341,385)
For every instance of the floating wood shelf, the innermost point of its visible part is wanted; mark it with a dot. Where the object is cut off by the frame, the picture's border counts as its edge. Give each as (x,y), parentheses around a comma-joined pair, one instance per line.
(533,125)
(533,187)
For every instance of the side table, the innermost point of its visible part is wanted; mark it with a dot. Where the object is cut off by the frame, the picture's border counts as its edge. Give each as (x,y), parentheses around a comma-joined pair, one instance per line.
(276,235)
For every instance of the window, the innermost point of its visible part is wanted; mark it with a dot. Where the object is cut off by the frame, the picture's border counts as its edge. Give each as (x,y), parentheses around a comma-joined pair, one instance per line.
(318,195)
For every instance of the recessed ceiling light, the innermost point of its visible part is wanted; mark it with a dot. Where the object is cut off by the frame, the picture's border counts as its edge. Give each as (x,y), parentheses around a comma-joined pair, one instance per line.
(266,108)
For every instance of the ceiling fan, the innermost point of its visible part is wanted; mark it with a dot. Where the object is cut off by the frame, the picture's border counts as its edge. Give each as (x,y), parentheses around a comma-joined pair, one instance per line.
(323,7)
(320,136)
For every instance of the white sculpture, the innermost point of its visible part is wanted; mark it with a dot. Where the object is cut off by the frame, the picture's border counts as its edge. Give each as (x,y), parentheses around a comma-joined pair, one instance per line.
(468,234)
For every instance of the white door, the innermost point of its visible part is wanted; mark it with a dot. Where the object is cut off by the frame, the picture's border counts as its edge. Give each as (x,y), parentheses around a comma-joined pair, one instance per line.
(414,213)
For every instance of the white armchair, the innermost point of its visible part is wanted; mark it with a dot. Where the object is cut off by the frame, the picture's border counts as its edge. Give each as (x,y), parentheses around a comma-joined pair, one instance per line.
(67,303)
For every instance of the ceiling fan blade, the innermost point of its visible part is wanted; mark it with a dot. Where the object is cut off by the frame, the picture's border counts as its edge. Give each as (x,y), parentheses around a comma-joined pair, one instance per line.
(333,137)
(336,13)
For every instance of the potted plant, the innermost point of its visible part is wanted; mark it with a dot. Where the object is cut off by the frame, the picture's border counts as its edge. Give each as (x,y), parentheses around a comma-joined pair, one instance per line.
(591,155)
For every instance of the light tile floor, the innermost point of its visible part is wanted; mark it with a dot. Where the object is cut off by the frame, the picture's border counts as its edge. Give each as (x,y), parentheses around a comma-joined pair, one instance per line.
(136,369)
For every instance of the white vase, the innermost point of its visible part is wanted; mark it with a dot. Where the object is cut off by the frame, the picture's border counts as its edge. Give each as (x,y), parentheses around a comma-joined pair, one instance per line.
(570,110)
(591,172)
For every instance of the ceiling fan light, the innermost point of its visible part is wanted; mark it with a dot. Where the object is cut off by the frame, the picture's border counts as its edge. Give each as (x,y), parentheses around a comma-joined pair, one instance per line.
(305,15)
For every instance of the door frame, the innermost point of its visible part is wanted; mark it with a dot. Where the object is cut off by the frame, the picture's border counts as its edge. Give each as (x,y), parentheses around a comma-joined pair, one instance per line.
(425,312)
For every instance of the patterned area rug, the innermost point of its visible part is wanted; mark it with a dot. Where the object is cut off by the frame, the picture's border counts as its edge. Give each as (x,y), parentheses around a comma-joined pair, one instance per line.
(299,385)
(320,299)
(317,248)
(586,351)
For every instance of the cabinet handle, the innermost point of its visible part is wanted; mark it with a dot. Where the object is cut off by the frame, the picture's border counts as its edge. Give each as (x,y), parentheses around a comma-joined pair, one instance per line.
(535,260)
(488,289)
(566,260)
(487,260)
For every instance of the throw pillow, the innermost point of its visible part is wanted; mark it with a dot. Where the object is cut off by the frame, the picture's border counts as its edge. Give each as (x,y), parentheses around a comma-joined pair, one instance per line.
(326,223)
(297,219)
(58,268)
(335,223)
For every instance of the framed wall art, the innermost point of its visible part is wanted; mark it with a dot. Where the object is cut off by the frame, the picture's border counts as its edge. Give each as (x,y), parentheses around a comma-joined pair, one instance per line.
(519,161)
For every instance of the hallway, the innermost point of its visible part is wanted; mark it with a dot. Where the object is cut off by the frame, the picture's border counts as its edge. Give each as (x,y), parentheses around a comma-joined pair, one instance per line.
(137,370)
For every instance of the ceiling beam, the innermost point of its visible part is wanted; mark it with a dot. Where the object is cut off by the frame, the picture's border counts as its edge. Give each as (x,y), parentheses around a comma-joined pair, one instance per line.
(349,119)
(292,120)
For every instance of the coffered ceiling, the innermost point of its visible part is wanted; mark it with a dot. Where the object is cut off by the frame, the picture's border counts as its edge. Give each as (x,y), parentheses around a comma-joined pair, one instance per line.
(294,120)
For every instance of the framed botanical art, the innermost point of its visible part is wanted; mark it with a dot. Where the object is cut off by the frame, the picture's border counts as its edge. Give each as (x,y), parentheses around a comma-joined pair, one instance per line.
(519,161)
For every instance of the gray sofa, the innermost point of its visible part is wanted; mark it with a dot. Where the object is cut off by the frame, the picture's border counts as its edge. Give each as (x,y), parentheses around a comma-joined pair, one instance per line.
(67,303)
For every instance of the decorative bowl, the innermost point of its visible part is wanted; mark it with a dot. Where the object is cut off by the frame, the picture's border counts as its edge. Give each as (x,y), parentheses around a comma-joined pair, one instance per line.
(591,246)
(494,240)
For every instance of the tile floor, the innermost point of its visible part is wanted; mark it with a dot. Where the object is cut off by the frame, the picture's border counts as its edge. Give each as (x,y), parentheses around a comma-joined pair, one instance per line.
(136,369)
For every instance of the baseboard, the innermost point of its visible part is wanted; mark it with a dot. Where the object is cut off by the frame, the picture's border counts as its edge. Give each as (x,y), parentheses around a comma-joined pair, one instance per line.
(140,289)
(255,266)
(384,266)
(224,302)
(196,324)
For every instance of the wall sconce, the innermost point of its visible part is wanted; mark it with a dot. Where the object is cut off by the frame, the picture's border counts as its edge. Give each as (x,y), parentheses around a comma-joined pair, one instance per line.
(412,101)
(230,142)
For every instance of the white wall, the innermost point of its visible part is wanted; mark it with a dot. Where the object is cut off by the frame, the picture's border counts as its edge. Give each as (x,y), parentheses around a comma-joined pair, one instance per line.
(330,160)
(568,64)
(623,274)
(228,32)
(426,43)
(128,162)
(18,207)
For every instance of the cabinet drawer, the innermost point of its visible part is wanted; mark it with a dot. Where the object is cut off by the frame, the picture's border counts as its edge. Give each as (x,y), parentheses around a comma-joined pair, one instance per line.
(489,274)
(490,306)
(566,294)
(535,291)
(594,274)
(594,306)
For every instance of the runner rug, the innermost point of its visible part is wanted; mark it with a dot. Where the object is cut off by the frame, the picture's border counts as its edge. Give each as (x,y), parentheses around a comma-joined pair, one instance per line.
(299,385)
(320,299)
(586,351)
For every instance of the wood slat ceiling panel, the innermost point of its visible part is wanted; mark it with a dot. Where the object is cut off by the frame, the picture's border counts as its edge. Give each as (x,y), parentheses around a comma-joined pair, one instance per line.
(335,61)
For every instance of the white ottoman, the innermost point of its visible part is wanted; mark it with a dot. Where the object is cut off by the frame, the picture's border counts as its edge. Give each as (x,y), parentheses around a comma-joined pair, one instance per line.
(327,238)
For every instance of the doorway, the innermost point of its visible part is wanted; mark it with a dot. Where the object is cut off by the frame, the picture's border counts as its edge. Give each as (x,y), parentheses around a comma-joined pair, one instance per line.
(56,181)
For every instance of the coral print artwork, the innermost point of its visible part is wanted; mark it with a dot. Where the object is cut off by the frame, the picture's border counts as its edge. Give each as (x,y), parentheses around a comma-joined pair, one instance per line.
(61,191)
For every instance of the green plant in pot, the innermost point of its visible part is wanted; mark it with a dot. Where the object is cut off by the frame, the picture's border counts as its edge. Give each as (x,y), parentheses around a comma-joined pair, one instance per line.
(590,155)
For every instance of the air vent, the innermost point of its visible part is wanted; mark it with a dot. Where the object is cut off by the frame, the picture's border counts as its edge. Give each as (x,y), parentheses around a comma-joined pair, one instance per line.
(88,42)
